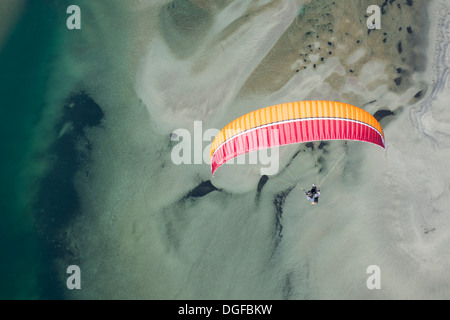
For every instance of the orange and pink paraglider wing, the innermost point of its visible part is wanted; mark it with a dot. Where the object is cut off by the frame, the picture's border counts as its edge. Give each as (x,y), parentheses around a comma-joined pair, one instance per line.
(294,122)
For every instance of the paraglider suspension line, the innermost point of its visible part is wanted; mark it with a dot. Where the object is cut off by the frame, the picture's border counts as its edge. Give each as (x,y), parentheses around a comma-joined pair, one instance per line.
(316,163)
(332,169)
(297,181)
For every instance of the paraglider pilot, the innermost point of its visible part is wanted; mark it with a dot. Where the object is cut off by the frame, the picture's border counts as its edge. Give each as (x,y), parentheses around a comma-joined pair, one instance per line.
(313,194)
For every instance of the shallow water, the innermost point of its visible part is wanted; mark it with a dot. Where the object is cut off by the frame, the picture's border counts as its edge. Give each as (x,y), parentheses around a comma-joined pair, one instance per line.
(104,193)
(25,65)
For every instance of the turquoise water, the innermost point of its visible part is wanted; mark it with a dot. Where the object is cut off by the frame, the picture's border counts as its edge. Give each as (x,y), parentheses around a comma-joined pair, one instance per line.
(24,65)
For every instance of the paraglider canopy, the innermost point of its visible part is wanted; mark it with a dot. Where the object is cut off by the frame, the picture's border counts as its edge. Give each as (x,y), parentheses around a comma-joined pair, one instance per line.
(294,122)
